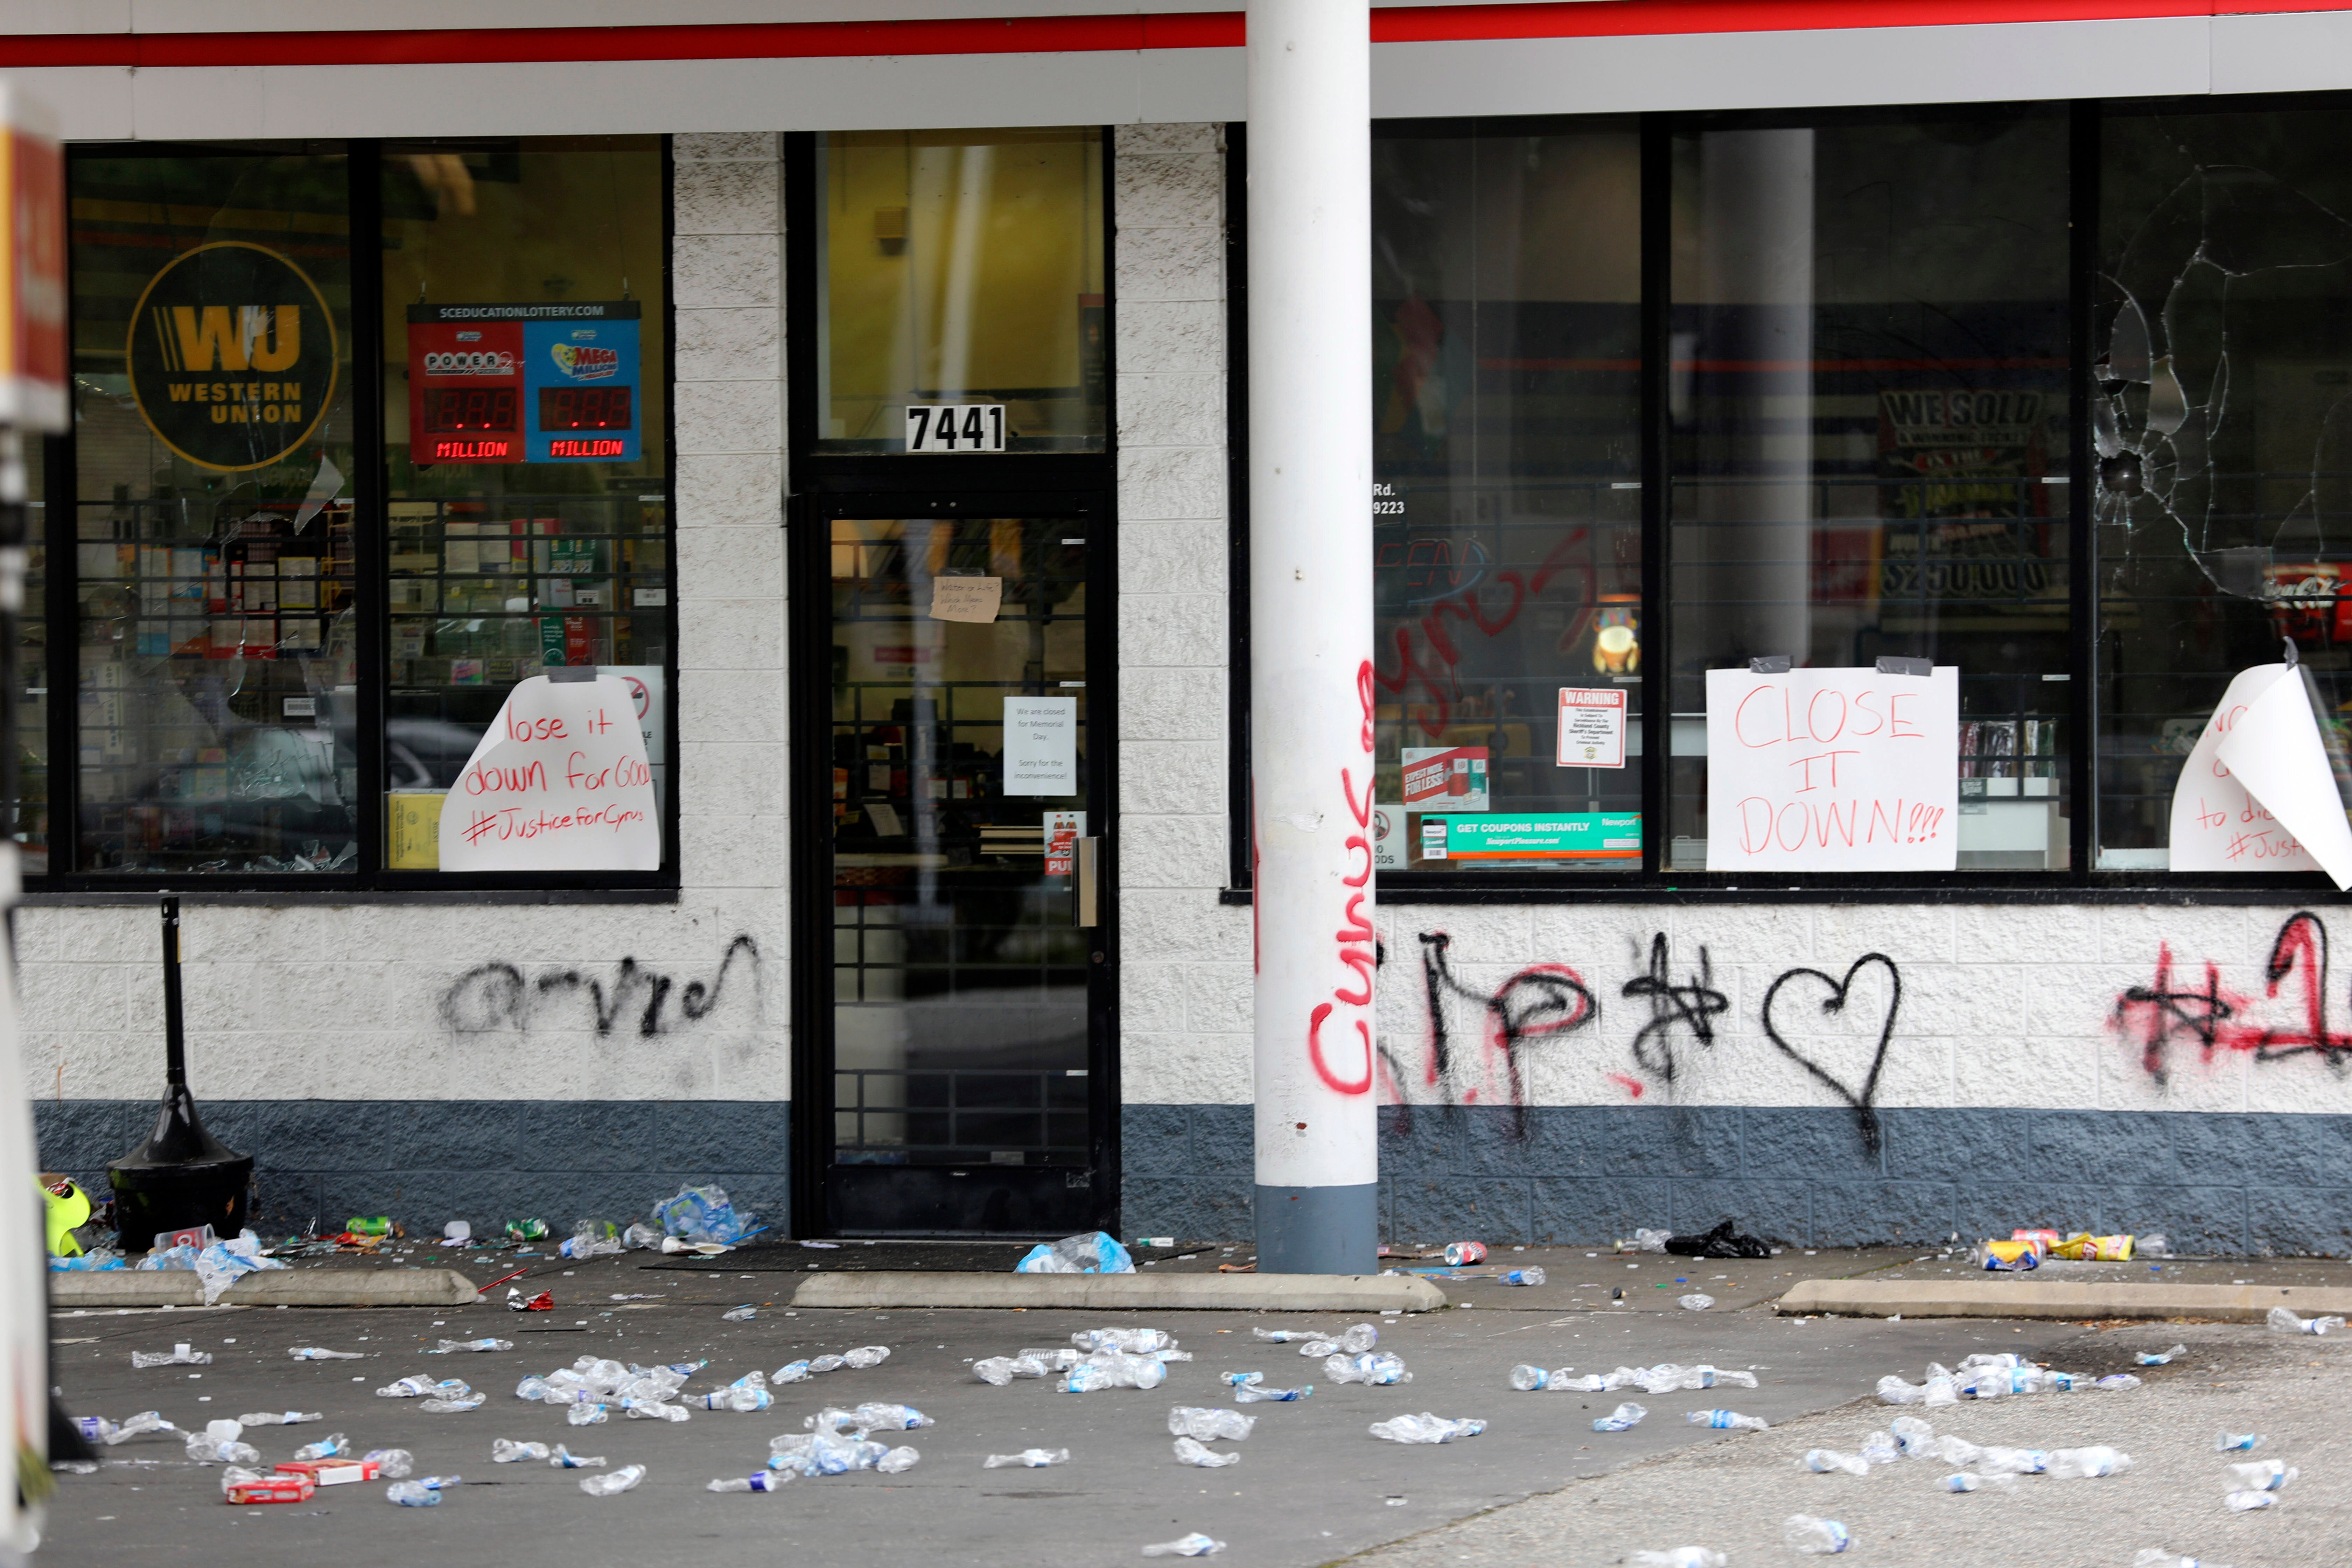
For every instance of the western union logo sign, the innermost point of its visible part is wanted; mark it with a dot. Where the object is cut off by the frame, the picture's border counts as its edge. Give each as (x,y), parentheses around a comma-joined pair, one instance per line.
(231,356)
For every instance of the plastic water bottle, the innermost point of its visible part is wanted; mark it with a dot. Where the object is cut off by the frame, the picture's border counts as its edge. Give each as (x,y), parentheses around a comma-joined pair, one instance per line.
(2077,1464)
(2161,1358)
(1680,1557)
(654,1410)
(2013,1461)
(453,1406)
(392,1463)
(413,1494)
(314,1352)
(1814,1537)
(1727,1421)
(276,1418)
(1532,1379)
(615,1483)
(2283,1321)
(758,1481)
(586,1415)
(564,1459)
(1000,1370)
(1379,1370)
(2263,1475)
(1961,1482)
(1134,1342)
(865,1356)
(791,1372)
(1625,1418)
(1881,1448)
(1027,1460)
(1531,1275)
(333,1445)
(450,1347)
(742,1401)
(2246,1502)
(897,1460)
(1193,1545)
(1425,1429)
(1251,1393)
(505,1451)
(824,1363)
(1209,1423)
(1912,1435)
(1189,1451)
(2236,1442)
(1822,1461)
(1695,1303)
(2121,1379)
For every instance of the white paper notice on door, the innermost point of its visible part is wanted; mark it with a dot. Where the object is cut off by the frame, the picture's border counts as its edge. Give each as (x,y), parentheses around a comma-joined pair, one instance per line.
(2275,750)
(2217,822)
(1833,770)
(1041,745)
(558,783)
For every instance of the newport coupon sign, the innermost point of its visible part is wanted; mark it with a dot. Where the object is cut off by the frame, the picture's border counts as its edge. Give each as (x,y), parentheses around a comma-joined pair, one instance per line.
(231,356)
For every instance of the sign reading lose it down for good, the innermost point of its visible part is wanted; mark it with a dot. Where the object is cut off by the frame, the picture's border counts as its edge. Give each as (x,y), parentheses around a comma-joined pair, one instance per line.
(559,784)
(1833,770)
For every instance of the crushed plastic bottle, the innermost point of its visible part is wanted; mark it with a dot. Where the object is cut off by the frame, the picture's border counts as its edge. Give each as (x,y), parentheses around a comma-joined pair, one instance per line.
(742,1314)
(1814,1537)
(1531,1275)
(2246,1502)
(316,1353)
(392,1463)
(1695,1303)
(218,1445)
(2157,1557)
(613,1483)
(824,1363)
(451,1347)
(2161,1358)
(1652,1240)
(2236,1442)
(1680,1557)
(1027,1460)
(422,1387)
(178,1355)
(1625,1418)
(1823,1461)
(1379,1370)
(2078,1464)
(456,1406)
(1193,1545)
(1668,1378)
(587,1416)
(279,1418)
(2118,1381)
(759,1482)
(506,1451)
(1134,1342)
(2263,1475)
(1535,1379)
(1189,1451)
(741,1398)
(2283,1321)
(1961,1481)
(2013,1461)
(413,1494)
(334,1445)
(1254,1392)
(1000,1370)
(1727,1421)
(1425,1429)
(1056,1358)
(865,1356)
(1953,1451)
(1113,1369)
(791,1372)
(1912,1435)
(1881,1448)
(1209,1423)
(654,1410)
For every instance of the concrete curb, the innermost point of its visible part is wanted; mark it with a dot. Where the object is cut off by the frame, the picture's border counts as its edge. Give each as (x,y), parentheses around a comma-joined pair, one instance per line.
(271,1288)
(2016,1297)
(1125,1292)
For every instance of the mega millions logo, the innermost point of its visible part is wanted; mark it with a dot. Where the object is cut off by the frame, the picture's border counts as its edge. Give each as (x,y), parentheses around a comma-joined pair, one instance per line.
(231,356)
(582,362)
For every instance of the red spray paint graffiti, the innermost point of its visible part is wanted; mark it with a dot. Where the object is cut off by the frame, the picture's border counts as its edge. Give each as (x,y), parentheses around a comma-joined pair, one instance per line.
(1435,671)
(1359,945)
(2289,1019)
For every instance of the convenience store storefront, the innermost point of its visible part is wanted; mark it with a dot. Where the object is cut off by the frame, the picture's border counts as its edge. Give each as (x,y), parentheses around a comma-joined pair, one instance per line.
(895,469)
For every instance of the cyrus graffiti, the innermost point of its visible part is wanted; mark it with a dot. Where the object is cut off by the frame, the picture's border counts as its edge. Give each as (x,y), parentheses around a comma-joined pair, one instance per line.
(1426,654)
(2174,1012)
(1358,944)
(497,995)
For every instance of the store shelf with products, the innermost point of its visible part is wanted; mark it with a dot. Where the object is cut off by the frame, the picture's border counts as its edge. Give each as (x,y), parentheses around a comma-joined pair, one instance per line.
(215,670)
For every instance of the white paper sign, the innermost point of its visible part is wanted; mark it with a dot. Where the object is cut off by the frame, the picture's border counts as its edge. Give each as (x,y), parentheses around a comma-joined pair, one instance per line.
(2217,823)
(1591,727)
(2275,750)
(1833,770)
(1041,745)
(558,783)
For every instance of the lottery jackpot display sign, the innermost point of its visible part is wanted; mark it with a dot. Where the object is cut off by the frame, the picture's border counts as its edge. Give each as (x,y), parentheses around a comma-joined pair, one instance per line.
(524,383)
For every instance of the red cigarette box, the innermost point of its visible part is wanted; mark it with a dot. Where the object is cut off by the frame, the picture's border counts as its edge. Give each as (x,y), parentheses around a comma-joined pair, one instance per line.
(272,1489)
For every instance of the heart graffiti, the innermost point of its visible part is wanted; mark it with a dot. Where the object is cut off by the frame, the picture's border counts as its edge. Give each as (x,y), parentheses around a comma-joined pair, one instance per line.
(1864,1101)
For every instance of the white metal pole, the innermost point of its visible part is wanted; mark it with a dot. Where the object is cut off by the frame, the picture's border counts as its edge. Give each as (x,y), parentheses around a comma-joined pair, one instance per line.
(1311,550)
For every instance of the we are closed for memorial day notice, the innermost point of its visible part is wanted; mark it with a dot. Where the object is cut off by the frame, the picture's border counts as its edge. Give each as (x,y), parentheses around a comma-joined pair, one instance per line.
(1833,770)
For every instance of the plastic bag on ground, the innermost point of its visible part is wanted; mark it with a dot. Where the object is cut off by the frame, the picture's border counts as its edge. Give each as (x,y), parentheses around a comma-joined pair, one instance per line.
(1193,1545)
(1425,1429)
(702,1215)
(1723,1241)
(1092,1252)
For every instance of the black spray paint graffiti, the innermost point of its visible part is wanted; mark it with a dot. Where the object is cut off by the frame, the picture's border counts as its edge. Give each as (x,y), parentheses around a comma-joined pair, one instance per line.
(491,996)
(2286,1020)
(1548,1001)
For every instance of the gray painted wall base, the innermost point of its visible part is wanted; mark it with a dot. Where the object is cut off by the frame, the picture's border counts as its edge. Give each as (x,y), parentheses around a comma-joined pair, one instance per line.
(426,1161)
(1318,1230)
(2213,1183)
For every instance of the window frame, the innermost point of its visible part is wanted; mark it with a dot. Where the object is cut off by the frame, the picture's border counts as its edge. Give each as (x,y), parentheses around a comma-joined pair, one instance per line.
(373,882)
(2080,881)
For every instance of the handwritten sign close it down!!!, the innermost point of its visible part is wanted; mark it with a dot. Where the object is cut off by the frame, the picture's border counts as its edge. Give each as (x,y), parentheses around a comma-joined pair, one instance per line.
(1833,770)
(558,783)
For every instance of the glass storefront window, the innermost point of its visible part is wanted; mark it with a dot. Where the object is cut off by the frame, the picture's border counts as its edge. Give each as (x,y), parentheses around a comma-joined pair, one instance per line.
(965,269)
(2221,351)
(32,824)
(525,427)
(213,441)
(1508,517)
(1868,402)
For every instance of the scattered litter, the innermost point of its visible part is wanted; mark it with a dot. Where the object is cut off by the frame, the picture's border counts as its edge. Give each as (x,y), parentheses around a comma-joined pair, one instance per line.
(2282,1320)
(519,1302)
(1964,1482)
(314,1352)
(1461,1252)
(615,1483)
(2076,1464)
(458,1405)
(589,1239)
(2265,1475)
(1189,1451)
(1647,1241)
(1668,1378)
(1880,1448)
(737,1315)
(1001,1370)
(425,1493)
(2246,1502)
(217,1445)
(1207,1423)
(2162,1358)
(1822,1461)
(333,1445)
(1912,1435)
(1695,1303)
(1723,1241)
(867,1418)
(1424,1428)
(587,1416)
(1114,1369)
(391,1463)
(506,1451)
(745,1395)
(450,1347)
(1727,1421)
(1535,1379)
(2236,1442)
(218,1266)
(240,1486)
(1680,1557)
(1528,1276)
(1249,1388)
(1814,1537)
(564,1459)
(702,1215)
(2120,1380)
(1625,1418)
(762,1481)
(422,1387)
(1379,1371)
(1091,1252)
(332,1472)
(457,1230)
(98,1429)
(1193,1545)
(278,1418)
(178,1355)
(1141,1341)
(1027,1458)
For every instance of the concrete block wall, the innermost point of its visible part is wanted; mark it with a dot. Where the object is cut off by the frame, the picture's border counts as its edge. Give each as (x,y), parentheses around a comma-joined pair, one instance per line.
(489,1060)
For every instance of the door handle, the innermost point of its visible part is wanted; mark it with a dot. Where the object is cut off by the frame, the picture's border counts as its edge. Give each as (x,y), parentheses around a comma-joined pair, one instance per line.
(1090,882)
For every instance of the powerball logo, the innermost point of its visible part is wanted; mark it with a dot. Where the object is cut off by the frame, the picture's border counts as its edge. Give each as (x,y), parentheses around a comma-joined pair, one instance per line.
(584,364)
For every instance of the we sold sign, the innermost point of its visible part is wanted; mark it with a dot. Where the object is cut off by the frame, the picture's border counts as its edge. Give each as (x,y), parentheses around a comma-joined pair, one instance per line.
(1833,770)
